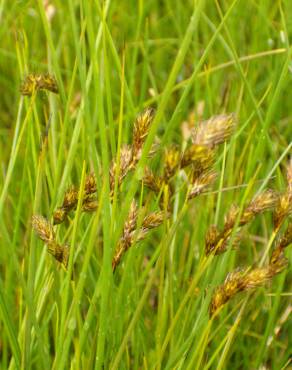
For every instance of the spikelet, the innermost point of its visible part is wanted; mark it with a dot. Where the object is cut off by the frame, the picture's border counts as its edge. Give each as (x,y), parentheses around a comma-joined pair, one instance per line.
(154,219)
(283,243)
(127,238)
(172,159)
(217,242)
(201,183)
(284,206)
(38,81)
(242,280)
(263,202)
(140,131)
(90,184)
(43,228)
(195,153)
(125,166)
(45,232)
(89,204)
(59,252)
(70,200)
(215,130)
(131,234)
(151,181)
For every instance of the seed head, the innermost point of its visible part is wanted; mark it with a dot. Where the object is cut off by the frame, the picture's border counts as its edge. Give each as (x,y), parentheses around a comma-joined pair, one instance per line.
(172,162)
(195,153)
(89,204)
(70,199)
(283,243)
(154,219)
(37,81)
(59,252)
(242,280)
(140,132)
(215,130)
(152,181)
(261,203)
(201,183)
(125,166)
(90,184)
(59,215)
(231,286)
(43,228)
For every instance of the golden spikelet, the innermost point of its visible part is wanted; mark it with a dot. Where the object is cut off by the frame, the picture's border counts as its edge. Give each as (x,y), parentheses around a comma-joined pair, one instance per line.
(172,159)
(140,131)
(43,228)
(38,81)
(45,232)
(215,130)
(195,153)
(154,219)
(151,181)
(90,184)
(283,243)
(242,280)
(131,234)
(201,183)
(217,243)
(125,166)
(59,252)
(284,206)
(70,200)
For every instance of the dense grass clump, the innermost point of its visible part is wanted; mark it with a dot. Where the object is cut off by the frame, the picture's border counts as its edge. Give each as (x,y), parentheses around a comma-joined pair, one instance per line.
(145,185)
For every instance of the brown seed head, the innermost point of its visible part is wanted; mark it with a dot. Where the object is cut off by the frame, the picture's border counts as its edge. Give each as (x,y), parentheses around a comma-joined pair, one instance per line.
(154,219)
(215,130)
(37,81)
(131,221)
(211,239)
(282,243)
(172,162)
(59,252)
(59,216)
(43,228)
(141,129)
(90,184)
(152,181)
(261,203)
(70,199)
(195,153)
(125,166)
(231,216)
(201,183)
(283,209)
(231,286)
(89,204)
